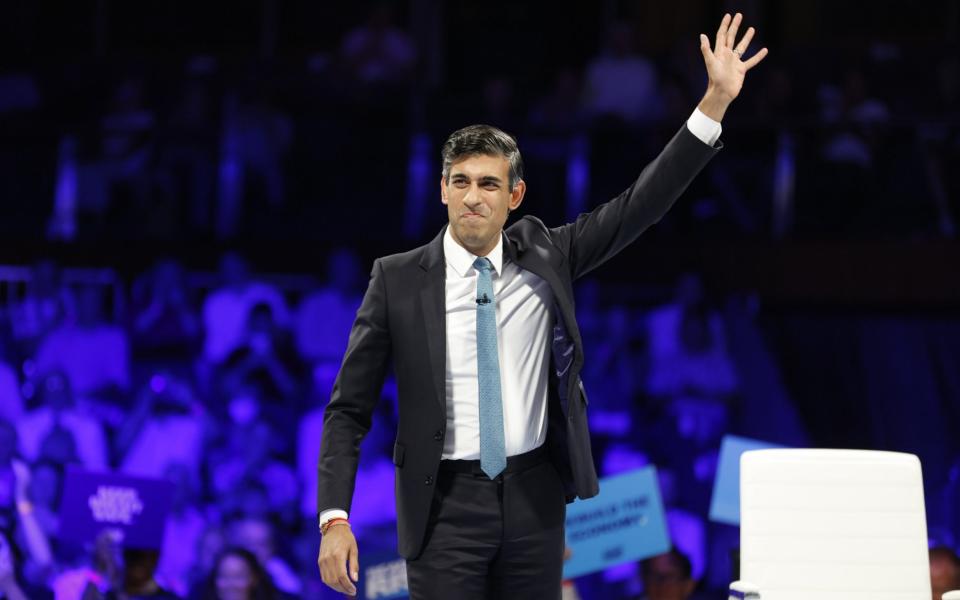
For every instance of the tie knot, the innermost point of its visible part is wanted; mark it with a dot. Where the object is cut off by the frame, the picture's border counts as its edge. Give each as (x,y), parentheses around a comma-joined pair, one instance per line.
(483,264)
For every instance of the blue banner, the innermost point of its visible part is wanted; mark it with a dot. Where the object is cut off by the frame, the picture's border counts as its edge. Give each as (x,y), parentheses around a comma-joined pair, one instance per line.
(725,502)
(134,506)
(624,523)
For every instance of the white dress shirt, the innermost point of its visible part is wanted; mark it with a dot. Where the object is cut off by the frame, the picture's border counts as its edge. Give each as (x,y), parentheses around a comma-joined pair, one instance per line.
(524,307)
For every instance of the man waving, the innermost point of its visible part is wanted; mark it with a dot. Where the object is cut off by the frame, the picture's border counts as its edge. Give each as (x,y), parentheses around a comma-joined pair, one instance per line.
(492,440)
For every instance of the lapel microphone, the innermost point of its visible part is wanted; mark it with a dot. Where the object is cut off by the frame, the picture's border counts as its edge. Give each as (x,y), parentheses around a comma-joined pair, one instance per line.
(483,299)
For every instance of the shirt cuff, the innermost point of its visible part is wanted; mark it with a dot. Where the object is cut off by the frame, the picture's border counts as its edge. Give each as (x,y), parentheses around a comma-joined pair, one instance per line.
(332,513)
(706,129)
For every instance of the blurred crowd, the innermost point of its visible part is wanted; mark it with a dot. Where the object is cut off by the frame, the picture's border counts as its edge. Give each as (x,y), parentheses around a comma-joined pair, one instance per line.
(286,146)
(217,390)
(216,382)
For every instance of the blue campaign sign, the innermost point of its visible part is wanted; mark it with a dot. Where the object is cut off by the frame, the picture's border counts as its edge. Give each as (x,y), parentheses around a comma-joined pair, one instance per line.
(135,506)
(725,502)
(383,576)
(624,523)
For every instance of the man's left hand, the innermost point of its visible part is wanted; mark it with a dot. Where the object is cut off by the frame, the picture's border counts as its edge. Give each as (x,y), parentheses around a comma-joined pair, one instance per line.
(726,67)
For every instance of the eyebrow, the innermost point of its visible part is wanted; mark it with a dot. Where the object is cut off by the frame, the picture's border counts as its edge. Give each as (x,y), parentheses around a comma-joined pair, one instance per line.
(484,179)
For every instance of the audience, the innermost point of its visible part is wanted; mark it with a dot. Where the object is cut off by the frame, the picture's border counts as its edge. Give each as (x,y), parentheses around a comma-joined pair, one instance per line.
(232,466)
(220,388)
(200,145)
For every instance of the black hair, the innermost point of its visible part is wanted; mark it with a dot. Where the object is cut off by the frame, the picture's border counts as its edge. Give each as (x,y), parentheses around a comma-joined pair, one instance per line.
(484,140)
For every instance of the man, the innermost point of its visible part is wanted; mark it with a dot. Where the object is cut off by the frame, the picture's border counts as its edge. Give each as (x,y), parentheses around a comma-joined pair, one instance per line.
(492,438)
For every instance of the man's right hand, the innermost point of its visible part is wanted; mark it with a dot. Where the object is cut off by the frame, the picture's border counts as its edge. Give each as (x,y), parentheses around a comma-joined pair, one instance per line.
(338,555)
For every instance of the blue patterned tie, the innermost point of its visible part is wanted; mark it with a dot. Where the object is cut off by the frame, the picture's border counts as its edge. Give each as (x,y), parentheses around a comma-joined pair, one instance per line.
(493,454)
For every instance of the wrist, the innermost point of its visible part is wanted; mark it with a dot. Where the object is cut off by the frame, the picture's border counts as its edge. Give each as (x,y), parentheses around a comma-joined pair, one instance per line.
(335,521)
(714,104)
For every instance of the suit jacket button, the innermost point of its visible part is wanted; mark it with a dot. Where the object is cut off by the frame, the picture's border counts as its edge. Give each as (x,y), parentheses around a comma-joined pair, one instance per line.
(428,480)
(438,435)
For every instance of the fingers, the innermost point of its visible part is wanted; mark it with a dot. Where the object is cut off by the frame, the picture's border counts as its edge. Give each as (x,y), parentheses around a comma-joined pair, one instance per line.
(333,567)
(732,31)
(353,563)
(745,42)
(722,33)
(727,36)
(335,576)
(756,58)
(705,46)
(344,584)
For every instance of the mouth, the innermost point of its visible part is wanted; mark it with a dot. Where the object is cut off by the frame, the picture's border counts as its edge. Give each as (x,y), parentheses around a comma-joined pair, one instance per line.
(471,215)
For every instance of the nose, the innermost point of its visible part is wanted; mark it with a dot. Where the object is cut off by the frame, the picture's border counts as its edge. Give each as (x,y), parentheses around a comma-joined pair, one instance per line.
(472,198)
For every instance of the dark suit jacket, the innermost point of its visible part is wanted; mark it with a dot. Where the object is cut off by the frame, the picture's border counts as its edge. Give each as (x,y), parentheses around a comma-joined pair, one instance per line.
(403,316)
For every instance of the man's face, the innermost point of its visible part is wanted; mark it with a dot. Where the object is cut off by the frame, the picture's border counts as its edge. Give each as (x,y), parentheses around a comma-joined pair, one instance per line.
(478,199)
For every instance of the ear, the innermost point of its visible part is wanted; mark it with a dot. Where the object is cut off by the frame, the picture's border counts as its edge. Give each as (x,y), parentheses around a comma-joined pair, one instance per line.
(516,196)
(443,190)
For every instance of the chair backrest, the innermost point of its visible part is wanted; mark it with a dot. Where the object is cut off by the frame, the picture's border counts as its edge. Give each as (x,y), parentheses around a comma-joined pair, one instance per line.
(833,525)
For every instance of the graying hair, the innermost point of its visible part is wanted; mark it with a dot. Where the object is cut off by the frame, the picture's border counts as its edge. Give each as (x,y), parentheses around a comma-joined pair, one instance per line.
(486,140)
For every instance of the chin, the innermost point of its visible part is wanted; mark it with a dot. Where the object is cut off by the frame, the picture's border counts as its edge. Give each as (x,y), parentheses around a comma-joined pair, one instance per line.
(473,241)
(467,235)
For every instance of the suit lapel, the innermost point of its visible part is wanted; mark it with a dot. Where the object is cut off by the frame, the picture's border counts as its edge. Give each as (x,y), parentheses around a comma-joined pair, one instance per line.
(433,302)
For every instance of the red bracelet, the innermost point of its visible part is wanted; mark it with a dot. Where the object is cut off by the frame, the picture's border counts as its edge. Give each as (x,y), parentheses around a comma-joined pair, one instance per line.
(333,521)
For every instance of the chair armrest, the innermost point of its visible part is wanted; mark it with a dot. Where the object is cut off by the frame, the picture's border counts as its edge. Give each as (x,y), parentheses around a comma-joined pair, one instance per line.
(743,590)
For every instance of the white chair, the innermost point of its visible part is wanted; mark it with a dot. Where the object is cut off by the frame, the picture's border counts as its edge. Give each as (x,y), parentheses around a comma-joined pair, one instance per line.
(832,525)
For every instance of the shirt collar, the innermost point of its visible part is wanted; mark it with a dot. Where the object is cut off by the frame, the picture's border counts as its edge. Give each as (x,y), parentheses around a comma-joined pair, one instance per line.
(461,259)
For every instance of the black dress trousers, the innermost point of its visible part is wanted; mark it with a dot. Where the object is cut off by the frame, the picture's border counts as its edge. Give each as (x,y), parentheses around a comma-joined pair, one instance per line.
(500,538)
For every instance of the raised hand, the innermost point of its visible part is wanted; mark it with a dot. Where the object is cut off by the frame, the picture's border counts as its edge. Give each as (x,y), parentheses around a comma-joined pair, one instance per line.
(726,67)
